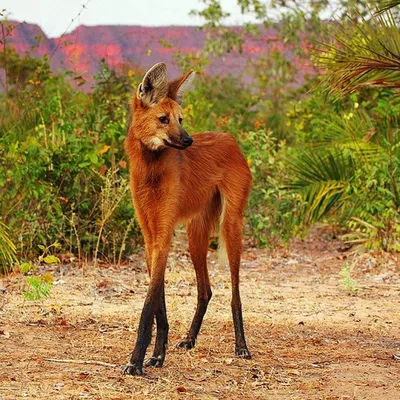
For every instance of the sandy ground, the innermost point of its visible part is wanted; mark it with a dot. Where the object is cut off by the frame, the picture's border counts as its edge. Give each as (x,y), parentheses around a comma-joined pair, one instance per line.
(311,336)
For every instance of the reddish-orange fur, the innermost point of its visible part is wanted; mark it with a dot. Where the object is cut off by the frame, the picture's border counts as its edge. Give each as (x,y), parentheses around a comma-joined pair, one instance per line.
(192,185)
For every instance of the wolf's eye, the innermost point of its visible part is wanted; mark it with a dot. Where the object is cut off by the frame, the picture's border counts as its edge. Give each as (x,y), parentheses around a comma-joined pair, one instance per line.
(180,121)
(163,119)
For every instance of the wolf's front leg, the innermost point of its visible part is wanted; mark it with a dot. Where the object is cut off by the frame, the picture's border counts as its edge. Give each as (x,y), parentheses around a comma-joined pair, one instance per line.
(160,347)
(151,305)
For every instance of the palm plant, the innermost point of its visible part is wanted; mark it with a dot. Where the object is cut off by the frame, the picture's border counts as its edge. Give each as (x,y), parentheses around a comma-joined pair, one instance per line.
(354,165)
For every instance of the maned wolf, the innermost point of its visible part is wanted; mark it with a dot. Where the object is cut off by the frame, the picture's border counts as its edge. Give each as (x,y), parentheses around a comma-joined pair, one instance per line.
(199,180)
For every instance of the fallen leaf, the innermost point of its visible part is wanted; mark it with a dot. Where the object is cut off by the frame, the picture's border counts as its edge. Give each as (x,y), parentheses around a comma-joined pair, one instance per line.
(104,283)
(258,384)
(319,364)
(83,375)
(4,334)
(293,372)
(59,386)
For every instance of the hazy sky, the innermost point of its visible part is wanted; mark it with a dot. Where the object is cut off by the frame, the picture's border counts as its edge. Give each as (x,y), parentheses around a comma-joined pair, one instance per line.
(55,16)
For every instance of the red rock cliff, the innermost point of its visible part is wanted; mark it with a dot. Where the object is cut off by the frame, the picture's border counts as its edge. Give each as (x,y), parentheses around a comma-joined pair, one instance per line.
(81,50)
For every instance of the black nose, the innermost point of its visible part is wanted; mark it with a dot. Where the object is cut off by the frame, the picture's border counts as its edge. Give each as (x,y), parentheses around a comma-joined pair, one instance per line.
(187,141)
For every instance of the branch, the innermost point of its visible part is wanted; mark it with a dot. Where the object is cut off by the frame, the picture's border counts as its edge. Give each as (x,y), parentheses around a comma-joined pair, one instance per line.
(104,364)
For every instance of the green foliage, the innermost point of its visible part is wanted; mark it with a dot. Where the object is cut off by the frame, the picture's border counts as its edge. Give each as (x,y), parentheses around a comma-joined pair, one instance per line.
(219,104)
(45,256)
(22,72)
(38,287)
(56,145)
(272,212)
(347,282)
(322,178)
(345,168)
(365,53)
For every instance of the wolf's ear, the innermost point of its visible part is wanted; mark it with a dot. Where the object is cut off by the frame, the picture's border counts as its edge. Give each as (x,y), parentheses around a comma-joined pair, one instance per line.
(154,86)
(177,87)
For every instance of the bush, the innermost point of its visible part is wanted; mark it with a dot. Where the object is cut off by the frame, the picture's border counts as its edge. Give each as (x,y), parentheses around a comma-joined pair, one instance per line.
(60,148)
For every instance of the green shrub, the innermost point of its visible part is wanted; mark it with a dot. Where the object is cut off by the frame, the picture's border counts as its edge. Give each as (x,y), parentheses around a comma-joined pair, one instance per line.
(57,145)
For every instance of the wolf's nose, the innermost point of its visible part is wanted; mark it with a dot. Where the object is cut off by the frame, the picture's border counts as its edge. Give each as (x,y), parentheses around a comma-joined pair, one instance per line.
(188,141)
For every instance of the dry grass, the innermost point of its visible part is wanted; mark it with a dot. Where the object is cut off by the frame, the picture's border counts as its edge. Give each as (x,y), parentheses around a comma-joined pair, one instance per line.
(309,338)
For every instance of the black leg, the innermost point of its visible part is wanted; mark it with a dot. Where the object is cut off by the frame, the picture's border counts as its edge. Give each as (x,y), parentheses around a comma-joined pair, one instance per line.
(241,349)
(158,357)
(190,340)
(232,230)
(135,366)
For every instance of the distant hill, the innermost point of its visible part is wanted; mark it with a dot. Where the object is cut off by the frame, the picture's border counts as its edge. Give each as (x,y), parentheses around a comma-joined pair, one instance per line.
(81,50)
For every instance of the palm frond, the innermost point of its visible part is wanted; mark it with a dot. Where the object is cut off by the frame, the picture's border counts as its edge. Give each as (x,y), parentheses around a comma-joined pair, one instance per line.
(354,132)
(321,198)
(7,249)
(367,54)
(322,178)
(383,6)
(317,166)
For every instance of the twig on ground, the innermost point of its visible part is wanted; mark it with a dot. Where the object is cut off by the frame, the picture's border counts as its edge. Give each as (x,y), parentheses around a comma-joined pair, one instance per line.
(104,364)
